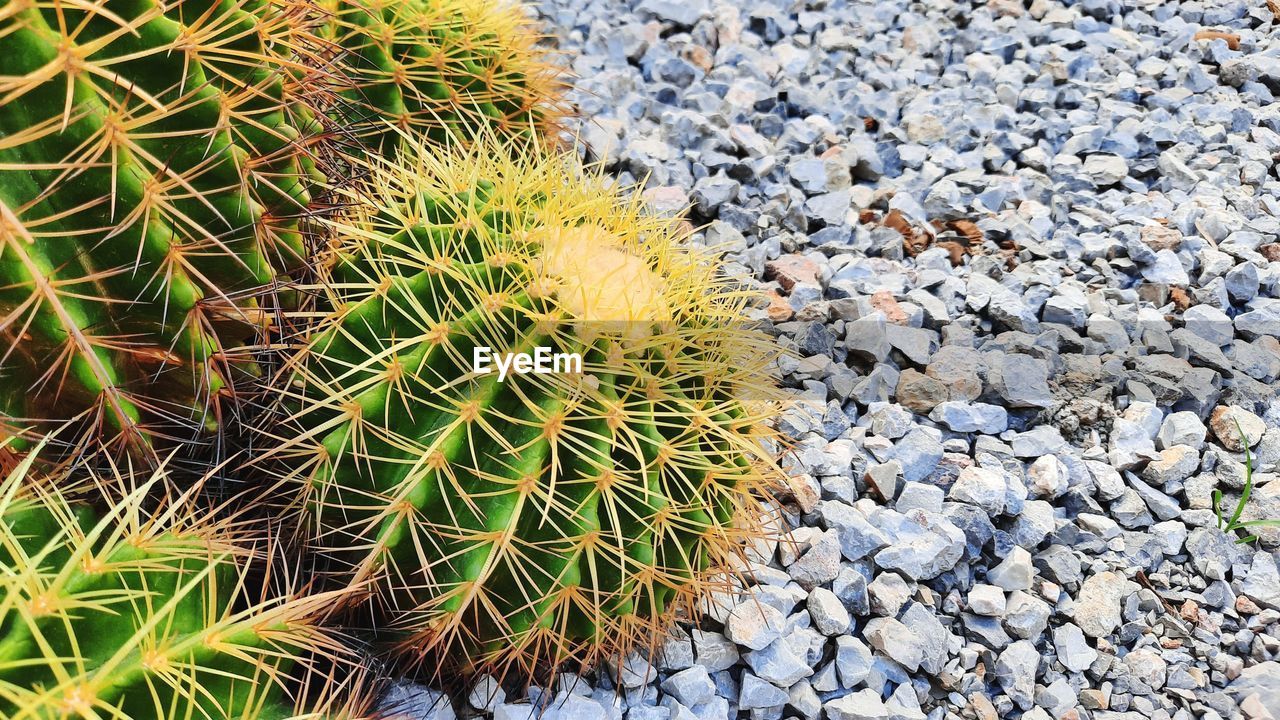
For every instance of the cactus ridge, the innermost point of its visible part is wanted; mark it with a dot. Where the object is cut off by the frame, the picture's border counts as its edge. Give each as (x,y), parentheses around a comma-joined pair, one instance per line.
(547,518)
(134,615)
(442,69)
(151,177)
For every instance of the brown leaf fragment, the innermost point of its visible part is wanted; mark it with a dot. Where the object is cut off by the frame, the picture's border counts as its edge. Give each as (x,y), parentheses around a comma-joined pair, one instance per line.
(897,221)
(956,250)
(1233,40)
(967,228)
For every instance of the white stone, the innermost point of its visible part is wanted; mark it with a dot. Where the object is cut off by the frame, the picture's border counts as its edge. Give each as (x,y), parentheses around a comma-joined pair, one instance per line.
(986,600)
(1015,572)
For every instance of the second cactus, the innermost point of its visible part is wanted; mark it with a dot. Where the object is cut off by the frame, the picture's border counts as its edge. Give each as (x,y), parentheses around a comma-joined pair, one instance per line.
(135,615)
(511,523)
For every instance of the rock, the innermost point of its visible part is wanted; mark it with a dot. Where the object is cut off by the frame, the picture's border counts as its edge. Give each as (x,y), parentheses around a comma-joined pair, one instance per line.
(1068,311)
(1212,553)
(1181,428)
(957,367)
(691,686)
(829,615)
(1166,270)
(1262,680)
(1209,323)
(853,661)
(1023,381)
(1147,667)
(936,640)
(1228,423)
(1015,671)
(919,452)
(819,564)
(858,537)
(486,694)
(1105,170)
(971,417)
(753,624)
(669,201)
(635,671)
(866,338)
(791,270)
(919,392)
(888,593)
(924,129)
(923,549)
(1015,572)
(987,600)
(756,693)
(778,664)
(1033,524)
(715,652)
(890,420)
(416,701)
(1038,441)
(1097,608)
(1073,650)
(680,13)
(1048,478)
(1107,331)
(982,487)
(1026,616)
(1262,583)
(1242,282)
(862,705)
(895,640)
(1256,323)
(1174,464)
(1130,445)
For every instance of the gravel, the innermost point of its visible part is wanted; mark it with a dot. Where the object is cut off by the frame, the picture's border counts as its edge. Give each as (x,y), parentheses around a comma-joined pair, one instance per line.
(1023,257)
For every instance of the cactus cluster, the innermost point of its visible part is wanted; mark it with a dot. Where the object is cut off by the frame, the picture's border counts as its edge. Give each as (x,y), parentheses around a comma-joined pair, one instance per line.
(150,183)
(130,615)
(339,206)
(511,523)
(160,157)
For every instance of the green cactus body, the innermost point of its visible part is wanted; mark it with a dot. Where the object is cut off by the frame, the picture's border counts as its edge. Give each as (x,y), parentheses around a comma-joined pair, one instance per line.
(132,616)
(441,70)
(540,518)
(151,177)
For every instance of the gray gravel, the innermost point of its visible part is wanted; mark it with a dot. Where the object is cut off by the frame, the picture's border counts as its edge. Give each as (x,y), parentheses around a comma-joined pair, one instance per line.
(1025,257)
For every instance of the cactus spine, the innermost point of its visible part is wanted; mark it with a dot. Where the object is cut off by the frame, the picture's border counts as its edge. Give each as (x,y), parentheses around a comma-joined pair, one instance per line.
(132,615)
(150,177)
(546,517)
(441,70)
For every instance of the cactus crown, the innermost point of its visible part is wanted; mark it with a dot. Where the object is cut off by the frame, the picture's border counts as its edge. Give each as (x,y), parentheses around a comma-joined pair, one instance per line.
(516,524)
(136,615)
(150,178)
(442,69)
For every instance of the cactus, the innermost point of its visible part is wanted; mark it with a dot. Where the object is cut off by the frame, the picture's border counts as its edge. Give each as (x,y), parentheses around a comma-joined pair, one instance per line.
(513,524)
(441,69)
(133,615)
(151,175)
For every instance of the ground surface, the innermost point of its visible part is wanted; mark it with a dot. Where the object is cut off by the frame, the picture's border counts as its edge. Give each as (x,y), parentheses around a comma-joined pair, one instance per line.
(1025,254)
